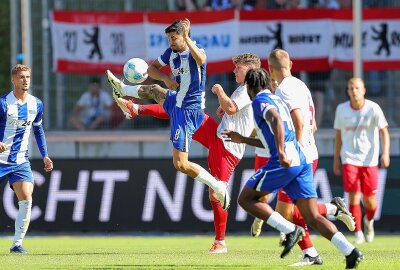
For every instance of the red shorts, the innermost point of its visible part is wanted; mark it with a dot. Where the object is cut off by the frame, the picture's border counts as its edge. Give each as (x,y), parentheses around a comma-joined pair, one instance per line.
(358,178)
(221,163)
(283,197)
(259,162)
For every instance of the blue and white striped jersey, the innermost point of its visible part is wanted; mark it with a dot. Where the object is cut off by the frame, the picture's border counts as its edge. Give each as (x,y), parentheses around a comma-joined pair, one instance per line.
(263,102)
(16,120)
(190,76)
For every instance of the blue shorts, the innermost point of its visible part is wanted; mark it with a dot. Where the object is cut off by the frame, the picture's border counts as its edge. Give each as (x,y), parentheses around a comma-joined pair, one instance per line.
(16,173)
(296,181)
(184,122)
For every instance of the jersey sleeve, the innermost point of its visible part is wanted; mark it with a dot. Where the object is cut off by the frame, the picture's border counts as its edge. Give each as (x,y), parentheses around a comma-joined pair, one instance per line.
(337,122)
(241,99)
(3,110)
(380,118)
(290,99)
(164,58)
(39,116)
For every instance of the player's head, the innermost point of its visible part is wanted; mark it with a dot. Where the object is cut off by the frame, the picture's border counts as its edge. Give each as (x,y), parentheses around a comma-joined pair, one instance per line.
(257,79)
(356,89)
(174,34)
(94,85)
(21,77)
(279,64)
(243,63)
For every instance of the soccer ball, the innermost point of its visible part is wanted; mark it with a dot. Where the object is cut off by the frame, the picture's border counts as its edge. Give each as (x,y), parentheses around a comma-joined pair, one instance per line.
(135,70)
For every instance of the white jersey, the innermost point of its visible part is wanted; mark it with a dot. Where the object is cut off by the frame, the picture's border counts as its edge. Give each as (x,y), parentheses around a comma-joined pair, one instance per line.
(16,120)
(296,95)
(242,121)
(360,132)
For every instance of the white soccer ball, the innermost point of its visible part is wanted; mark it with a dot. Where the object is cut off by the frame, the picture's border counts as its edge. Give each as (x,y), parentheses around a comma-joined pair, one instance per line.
(135,70)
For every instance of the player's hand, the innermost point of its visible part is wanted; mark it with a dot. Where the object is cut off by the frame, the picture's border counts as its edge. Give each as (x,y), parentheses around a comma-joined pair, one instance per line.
(220,112)
(385,160)
(232,136)
(284,161)
(337,170)
(186,27)
(171,84)
(48,164)
(3,147)
(216,89)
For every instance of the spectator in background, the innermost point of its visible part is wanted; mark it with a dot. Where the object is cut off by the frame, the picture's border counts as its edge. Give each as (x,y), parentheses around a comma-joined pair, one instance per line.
(93,108)
(186,5)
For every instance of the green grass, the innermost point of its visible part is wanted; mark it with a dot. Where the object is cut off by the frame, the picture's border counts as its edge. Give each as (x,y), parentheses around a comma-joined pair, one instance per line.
(183,252)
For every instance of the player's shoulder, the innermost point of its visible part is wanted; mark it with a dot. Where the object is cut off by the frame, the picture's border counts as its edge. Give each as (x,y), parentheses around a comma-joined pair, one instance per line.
(371,104)
(344,105)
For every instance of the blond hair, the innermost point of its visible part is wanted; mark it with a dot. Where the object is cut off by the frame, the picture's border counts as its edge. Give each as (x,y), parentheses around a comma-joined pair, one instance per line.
(19,67)
(279,59)
(247,59)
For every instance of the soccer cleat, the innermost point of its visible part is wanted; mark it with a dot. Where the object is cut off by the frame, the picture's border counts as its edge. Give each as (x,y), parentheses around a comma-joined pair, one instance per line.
(128,108)
(256,227)
(224,197)
(360,239)
(354,259)
(292,239)
(369,229)
(18,250)
(308,260)
(343,214)
(116,85)
(218,248)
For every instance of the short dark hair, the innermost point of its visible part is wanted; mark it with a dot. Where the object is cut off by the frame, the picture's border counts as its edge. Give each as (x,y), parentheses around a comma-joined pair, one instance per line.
(95,80)
(177,27)
(257,79)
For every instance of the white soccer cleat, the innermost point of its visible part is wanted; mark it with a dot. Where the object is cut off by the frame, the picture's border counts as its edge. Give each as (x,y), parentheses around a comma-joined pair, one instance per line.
(360,239)
(308,260)
(256,227)
(223,196)
(369,229)
(128,108)
(116,84)
(218,248)
(343,214)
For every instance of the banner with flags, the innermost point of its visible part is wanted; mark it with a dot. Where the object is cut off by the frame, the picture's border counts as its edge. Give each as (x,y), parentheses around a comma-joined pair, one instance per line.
(317,40)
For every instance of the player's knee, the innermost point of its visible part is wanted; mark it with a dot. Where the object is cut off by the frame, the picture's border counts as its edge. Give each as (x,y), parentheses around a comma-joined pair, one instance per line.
(181,166)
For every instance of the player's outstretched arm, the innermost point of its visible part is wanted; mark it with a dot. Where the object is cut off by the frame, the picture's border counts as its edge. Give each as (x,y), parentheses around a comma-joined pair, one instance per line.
(225,102)
(232,136)
(154,72)
(198,54)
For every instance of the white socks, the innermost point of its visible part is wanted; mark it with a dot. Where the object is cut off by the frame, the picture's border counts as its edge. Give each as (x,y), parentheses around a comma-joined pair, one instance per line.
(310,251)
(22,221)
(206,178)
(342,244)
(330,209)
(130,90)
(278,222)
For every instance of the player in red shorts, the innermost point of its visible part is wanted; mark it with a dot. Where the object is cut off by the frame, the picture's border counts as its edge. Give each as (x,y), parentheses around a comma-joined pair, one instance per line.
(357,122)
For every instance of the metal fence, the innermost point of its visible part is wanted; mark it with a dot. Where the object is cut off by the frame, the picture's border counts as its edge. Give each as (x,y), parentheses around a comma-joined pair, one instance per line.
(61,92)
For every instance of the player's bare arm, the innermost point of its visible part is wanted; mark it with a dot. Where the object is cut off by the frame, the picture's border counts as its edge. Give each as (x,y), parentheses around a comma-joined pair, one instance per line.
(48,164)
(198,55)
(385,157)
(3,147)
(155,73)
(232,136)
(297,119)
(336,155)
(225,102)
(276,124)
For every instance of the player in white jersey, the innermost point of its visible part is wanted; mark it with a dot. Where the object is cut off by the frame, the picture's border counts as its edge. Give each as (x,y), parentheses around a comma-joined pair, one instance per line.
(185,106)
(223,156)
(358,123)
(19,111)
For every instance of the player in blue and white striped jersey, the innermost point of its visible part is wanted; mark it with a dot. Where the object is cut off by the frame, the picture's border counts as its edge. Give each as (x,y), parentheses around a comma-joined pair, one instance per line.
(184,105)
(287,168)
(19,111)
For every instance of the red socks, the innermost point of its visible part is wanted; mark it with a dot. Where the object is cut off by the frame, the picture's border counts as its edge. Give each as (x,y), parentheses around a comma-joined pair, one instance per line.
(154,110)
(370,213)
(299,220)
(220,220)
(355,210)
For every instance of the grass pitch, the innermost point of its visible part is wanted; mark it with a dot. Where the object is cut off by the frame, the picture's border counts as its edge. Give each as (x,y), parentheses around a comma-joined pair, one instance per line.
(184,252)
